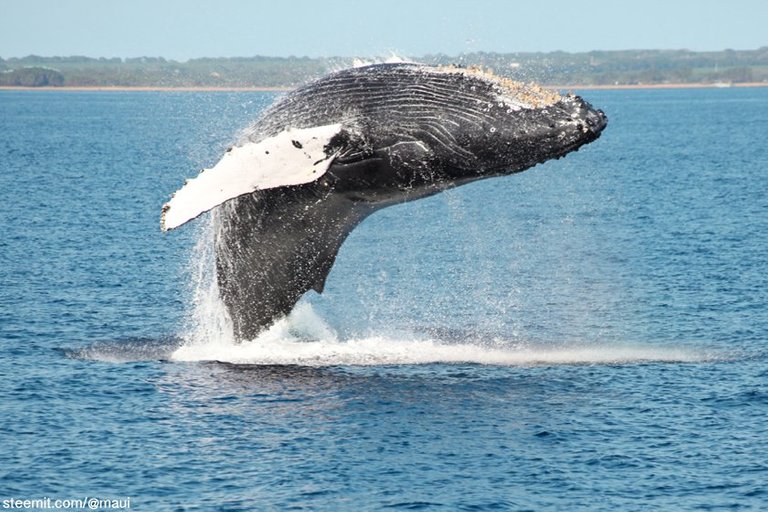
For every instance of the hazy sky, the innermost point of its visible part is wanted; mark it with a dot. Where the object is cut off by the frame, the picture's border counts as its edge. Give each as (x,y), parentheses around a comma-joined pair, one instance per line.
(186,29)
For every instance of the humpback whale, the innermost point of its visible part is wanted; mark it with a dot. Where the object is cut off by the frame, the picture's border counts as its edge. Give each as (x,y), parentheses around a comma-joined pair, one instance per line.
(331,152)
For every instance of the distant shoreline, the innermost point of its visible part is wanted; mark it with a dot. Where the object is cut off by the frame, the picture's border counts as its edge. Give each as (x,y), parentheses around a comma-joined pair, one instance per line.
(285,89)
(660,86)
(143,88)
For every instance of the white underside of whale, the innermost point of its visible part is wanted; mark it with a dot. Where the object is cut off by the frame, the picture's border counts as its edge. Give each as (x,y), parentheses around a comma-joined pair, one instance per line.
(292,157)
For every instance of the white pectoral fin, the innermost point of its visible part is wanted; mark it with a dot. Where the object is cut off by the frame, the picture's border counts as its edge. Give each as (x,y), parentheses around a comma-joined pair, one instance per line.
(293,157)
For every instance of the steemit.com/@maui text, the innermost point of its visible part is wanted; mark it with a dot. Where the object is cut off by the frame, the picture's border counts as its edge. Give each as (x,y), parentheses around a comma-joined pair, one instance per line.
(46,503)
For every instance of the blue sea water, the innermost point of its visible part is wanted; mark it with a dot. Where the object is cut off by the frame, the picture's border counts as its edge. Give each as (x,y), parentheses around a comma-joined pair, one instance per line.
(588,335)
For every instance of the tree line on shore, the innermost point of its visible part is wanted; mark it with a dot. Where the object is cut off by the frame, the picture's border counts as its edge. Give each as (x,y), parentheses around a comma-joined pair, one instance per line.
(630,67)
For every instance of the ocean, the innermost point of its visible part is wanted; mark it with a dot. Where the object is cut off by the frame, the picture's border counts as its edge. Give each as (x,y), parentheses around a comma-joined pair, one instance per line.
(591,334)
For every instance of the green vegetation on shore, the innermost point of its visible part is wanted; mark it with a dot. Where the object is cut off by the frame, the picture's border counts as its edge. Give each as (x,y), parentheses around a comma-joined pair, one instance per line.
(630,67)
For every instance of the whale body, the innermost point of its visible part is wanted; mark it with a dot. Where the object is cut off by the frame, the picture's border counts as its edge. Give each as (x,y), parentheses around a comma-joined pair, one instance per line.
(330,153)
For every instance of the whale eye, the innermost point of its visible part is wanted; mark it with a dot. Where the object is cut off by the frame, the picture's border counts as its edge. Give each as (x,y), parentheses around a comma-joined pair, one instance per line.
(493,129)
(296,144)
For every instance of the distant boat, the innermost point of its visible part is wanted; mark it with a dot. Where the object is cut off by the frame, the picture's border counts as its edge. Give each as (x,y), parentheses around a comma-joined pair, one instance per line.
(722,85)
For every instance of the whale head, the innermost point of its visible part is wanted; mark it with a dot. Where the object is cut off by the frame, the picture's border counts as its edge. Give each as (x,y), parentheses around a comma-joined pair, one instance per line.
(519,138)
(472,124)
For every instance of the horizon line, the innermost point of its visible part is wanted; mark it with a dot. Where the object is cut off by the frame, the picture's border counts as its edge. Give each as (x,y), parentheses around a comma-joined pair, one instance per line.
(390,55)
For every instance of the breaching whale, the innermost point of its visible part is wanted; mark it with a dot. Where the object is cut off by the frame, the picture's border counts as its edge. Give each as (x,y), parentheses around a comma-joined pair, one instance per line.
(330,153)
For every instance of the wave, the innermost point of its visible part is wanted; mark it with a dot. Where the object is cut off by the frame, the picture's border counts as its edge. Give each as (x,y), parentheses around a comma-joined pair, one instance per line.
(386,351)
(303,338)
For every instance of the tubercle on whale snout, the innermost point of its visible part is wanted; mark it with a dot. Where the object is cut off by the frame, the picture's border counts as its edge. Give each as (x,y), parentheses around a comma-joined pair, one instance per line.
(579,110)
(587,122)
(595,119)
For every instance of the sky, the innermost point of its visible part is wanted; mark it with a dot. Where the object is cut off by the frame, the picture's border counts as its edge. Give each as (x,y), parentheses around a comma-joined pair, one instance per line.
(181,30)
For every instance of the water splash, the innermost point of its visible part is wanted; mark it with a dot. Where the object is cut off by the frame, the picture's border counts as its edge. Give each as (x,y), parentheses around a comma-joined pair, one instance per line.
(207,319)
(275,349)
(304,338)
(130,350)
(393,58)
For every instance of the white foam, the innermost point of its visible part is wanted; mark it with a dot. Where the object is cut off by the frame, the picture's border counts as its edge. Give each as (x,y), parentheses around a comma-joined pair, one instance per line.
(388,351)
(305,339)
